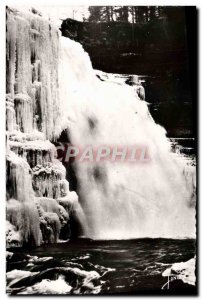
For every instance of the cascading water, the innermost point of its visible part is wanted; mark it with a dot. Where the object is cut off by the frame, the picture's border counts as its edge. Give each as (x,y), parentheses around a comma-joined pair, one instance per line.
(51,79)
(124,200)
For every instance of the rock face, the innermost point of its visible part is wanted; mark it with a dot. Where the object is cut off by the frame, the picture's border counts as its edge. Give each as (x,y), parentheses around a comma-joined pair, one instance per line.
(39,203)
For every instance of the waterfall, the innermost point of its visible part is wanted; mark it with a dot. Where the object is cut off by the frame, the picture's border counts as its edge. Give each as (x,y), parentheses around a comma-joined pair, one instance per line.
(51,87)
(124,200)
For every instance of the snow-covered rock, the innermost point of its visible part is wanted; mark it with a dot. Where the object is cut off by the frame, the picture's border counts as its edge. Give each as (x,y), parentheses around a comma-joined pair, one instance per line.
(185,271)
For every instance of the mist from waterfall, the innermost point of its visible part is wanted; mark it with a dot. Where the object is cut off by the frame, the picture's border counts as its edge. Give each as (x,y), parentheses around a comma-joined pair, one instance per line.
(123,200)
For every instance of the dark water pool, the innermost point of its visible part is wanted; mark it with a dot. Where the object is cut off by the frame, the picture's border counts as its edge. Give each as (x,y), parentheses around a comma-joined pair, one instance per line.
(99,267)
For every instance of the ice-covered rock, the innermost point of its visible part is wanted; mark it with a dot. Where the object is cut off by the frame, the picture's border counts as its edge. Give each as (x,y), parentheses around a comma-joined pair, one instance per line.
(21,210)
(185,271)
(13,237)
(32,79)
(35,178)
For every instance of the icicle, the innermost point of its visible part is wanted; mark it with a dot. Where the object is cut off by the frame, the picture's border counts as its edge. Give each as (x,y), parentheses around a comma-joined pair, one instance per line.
(46,180)
(33,106)
(51,205)
(10,53)
(52,217)
(10,114)
(32,63)
(24,114)
(21,212)
(36,152)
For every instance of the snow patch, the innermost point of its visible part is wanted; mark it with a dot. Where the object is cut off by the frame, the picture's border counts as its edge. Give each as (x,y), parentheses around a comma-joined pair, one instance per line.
(184,271)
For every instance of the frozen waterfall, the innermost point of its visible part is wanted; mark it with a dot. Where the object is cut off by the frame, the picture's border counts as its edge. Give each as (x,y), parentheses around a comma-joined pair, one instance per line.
(52,87)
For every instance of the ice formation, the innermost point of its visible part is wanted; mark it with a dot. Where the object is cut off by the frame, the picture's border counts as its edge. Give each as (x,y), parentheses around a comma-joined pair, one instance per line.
(184,271)
(39,202)
(52,87)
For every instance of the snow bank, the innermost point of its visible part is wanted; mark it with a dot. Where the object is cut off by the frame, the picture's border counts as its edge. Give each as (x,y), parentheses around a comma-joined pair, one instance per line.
(185,271)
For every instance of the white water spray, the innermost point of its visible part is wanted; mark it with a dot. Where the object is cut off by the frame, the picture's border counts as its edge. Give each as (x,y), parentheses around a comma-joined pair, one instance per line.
(121,200)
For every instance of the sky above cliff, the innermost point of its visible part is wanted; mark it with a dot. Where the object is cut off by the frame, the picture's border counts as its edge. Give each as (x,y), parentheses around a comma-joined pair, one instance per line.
(58,13)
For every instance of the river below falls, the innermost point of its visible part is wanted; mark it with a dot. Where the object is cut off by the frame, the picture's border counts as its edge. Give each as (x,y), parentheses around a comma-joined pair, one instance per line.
(84,266)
